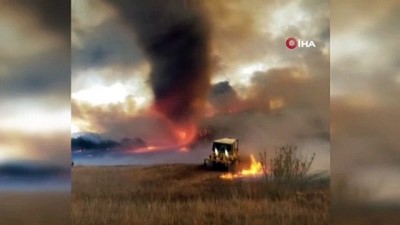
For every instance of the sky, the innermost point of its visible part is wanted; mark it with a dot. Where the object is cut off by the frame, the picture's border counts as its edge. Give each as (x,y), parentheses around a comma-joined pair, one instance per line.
(34,85)
(365,85)
(164,74)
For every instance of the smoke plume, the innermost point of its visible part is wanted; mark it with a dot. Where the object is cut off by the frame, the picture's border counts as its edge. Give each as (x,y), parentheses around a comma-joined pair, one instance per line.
(174,36)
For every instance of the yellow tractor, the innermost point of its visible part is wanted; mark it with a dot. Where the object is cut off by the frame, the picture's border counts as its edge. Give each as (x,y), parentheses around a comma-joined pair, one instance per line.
(225,154)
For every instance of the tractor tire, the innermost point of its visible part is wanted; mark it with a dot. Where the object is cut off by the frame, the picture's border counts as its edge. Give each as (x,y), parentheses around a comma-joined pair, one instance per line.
(208,164)
(233,167)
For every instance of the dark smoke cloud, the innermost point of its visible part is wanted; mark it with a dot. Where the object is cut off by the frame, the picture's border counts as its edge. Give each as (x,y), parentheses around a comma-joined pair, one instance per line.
(109,44)
(37,77)
(302,118)
(41,62)
(174,36)
(223,96)
(54,15)
(295,86)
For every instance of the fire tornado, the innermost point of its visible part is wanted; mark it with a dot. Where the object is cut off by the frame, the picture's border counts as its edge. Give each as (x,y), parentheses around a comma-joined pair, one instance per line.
(174,36)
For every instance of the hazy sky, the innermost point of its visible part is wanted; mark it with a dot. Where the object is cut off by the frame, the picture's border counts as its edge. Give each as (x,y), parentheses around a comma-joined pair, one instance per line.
(365,87)
(246,67)
(34,81)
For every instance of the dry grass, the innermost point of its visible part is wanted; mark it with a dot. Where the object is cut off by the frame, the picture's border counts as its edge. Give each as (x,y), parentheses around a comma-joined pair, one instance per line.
(186,194)
(34,208)
(365,215)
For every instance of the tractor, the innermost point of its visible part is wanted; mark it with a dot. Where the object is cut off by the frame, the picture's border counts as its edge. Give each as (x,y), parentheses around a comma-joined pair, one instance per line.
(225,154)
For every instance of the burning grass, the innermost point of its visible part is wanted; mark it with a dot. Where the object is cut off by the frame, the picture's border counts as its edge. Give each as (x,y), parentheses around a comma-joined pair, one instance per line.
(255,169)
(188,194)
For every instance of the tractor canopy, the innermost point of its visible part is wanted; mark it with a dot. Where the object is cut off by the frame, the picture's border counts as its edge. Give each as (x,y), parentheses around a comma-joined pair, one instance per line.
(225,145)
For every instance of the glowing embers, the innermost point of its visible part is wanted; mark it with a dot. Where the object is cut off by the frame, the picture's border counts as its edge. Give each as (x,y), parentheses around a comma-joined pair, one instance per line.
(255,170)
(184,135)
(179,138)
(276,103)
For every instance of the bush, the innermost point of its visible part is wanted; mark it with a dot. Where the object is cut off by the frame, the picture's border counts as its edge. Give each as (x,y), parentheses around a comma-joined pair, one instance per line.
(289,165)
(286,172)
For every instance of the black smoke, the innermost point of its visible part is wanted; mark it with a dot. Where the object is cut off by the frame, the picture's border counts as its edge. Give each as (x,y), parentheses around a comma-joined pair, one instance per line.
(54,15)
(175,38)
(223,96)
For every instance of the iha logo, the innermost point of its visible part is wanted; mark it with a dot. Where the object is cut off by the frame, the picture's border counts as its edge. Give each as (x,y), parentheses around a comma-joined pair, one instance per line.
(292,43)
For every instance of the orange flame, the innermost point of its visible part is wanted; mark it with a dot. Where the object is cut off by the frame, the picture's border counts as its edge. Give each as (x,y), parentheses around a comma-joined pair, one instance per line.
(276,103)
(151,148)
(178,136)
(256,169)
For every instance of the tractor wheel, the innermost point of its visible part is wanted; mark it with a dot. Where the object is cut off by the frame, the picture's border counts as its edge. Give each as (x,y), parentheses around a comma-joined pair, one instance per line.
(228,167)
(214,166)
(233,166)
(208,164)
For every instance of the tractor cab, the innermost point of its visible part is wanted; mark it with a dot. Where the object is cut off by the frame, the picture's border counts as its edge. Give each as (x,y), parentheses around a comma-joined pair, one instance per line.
(224,154)
(226,146)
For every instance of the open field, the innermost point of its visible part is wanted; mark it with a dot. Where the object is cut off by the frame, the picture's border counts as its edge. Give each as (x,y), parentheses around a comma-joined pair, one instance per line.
(365,215)
(187,194)
(34,208)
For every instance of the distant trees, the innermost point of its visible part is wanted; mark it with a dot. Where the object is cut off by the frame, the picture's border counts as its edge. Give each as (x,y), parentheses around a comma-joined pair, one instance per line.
(82,142)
